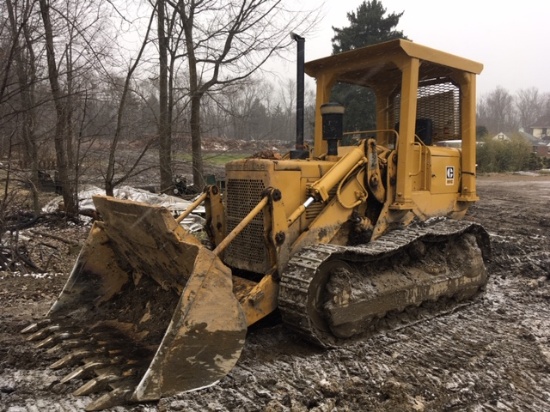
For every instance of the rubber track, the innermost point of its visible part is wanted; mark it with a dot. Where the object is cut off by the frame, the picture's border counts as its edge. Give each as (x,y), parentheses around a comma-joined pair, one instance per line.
(303,266)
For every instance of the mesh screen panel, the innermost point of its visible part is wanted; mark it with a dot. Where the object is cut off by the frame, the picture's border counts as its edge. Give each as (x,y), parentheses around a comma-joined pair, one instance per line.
(440,103)
(247,251)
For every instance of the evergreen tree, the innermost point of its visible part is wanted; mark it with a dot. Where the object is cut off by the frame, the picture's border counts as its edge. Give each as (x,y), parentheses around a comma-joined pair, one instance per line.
(367,25)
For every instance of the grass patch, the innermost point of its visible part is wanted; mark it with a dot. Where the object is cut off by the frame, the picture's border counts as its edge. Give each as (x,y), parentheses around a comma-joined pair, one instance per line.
(214,158)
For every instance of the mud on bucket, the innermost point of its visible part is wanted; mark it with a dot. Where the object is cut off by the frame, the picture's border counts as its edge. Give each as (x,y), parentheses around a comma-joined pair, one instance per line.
(147,311)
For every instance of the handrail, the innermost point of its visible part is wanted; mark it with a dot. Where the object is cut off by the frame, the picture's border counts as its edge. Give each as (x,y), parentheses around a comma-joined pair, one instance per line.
(191,207)
(419,159)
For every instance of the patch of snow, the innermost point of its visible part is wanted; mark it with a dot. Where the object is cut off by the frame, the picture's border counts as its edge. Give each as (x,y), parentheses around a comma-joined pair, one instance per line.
(194,222)
(527,173)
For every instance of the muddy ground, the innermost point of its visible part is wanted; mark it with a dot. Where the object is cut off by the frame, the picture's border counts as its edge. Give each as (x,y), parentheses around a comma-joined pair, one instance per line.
(490,355)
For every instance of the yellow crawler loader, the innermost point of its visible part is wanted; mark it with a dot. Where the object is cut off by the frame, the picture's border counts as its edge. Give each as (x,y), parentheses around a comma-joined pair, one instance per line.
(334,237)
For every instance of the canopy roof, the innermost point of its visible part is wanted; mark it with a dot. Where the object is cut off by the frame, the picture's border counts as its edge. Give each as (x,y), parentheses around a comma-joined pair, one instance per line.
(368,65)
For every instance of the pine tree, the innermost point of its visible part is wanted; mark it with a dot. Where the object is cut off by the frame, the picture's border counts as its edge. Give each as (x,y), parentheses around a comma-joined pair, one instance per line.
(367,25)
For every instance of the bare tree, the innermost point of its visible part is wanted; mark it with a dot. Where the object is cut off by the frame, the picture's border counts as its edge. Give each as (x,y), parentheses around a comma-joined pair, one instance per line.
(529,106)
(288,99)
(110,181)
(25,67)
(496,111)
(545,106)
(62,128)
(75,37)
(164,127)
(255,109)
(169,34)
(226,42)
(70,82)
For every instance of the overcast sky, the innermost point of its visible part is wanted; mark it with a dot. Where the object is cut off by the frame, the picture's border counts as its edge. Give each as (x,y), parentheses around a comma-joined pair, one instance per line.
(509,38)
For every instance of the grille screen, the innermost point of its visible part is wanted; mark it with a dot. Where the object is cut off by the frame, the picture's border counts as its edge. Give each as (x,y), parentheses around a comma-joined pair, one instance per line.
(248,250)
(440,103)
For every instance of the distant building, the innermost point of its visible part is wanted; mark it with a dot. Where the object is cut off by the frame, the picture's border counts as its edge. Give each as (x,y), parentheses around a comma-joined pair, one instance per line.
(541,128)
(541,146)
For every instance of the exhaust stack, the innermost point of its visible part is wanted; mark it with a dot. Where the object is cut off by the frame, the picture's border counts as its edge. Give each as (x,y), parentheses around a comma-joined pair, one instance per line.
(299,152)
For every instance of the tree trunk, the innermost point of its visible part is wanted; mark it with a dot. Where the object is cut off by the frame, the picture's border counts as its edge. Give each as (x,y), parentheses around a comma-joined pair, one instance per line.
(195,123)
(70,107)
(61,125)
(195,93)
(110,172)
(164,129)
(26,74)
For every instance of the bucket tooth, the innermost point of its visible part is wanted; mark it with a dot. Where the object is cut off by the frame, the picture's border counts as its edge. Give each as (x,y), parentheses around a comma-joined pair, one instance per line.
(65,345)
(72,340)
(85,352)
(99,383)
(33,327)
(72,358)
(117,397)
(54,339)
(82,370)
(92,364)
(44,332)
(95,385)
(46,343)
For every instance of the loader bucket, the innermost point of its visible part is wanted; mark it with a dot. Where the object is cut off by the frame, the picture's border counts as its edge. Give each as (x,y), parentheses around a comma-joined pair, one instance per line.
(147,308)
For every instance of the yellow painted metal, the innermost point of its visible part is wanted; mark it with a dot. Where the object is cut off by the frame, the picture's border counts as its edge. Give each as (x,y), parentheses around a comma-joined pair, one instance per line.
(97,257)
(261,300)
(278,230)
(321,187)
(397,63)
(137,264)
(325,82)
(215,214)
(441,158)
(379,67)
(292,178)
(330,225)
(407,162)
(374,177)
(289,204)
(151,240)
(387,215)
(352,65)
(468,127)
(191,207)
(205,336)
(418,51)
(299,211)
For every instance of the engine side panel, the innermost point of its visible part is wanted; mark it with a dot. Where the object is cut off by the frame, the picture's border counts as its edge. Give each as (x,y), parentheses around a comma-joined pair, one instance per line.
(245,182)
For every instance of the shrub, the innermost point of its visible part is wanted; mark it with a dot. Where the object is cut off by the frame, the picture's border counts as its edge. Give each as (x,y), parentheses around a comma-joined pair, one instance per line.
(506,156)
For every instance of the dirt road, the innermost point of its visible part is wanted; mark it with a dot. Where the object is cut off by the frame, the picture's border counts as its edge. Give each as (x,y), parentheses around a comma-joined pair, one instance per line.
(490,355)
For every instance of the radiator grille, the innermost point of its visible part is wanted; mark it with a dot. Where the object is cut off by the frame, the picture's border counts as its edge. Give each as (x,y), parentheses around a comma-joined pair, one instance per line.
(248,250)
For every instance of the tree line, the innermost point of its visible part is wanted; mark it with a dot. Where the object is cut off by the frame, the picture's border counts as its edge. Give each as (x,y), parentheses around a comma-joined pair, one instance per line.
(515,115)
(103,85)
(99,86)
(503,111)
